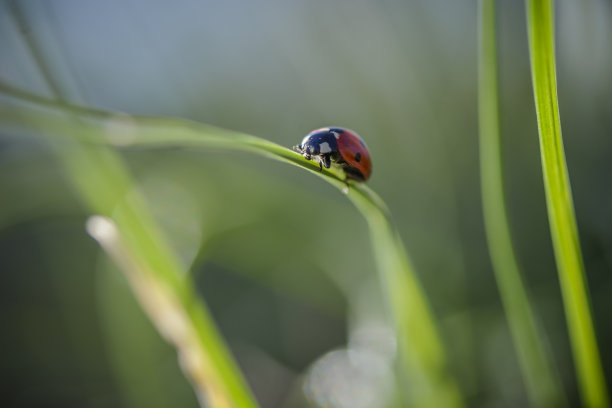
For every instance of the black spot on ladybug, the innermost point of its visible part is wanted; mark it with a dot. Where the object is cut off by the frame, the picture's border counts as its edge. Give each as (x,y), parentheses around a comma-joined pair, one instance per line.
(358,157)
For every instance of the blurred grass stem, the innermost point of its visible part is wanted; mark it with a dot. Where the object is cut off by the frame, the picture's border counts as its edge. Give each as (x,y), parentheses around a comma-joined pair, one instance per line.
(133,240)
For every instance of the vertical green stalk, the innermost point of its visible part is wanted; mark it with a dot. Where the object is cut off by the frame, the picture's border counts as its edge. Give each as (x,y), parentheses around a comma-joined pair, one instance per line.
(560,207)
(542,384)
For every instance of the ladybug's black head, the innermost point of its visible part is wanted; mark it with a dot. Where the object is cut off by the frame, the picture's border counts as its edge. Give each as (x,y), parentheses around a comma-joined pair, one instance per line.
(320,142)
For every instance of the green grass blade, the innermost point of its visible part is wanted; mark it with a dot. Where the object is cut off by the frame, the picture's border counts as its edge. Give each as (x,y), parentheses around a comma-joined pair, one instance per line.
(542,384)
(420,347)
(560,207)
(421,350)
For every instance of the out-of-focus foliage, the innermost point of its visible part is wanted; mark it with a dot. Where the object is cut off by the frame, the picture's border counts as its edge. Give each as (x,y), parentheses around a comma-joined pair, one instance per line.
(285,264)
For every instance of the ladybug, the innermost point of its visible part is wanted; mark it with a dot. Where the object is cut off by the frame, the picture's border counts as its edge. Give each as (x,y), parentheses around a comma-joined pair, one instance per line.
(339,146)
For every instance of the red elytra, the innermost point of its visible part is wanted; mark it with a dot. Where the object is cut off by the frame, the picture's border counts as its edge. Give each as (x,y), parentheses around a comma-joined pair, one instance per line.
(355,153)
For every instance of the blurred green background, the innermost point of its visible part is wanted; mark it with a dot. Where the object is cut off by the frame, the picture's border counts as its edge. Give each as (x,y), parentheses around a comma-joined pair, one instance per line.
(283,259)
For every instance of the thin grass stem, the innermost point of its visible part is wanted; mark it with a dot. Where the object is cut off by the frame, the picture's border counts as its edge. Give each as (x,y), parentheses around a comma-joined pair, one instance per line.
(563,227)
(542,383)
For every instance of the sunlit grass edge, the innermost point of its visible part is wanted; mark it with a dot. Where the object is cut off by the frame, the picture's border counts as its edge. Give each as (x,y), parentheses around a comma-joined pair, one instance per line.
(563,227)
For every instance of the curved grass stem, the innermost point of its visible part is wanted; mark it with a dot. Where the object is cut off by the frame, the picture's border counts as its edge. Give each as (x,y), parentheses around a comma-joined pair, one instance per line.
(421,350)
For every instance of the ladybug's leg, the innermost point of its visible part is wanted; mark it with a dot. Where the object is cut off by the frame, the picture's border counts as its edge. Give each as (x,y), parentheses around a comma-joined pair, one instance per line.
(320,164)
(326,160)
